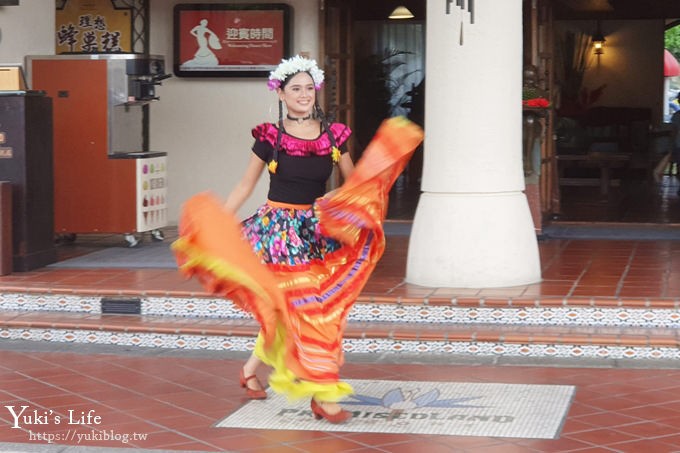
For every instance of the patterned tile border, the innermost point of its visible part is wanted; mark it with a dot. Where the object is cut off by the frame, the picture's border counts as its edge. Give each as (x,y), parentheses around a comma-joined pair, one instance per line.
(140,339)
(578,315)
(194,307)
(160,306)
(536,316)
(47,302)
(373,345)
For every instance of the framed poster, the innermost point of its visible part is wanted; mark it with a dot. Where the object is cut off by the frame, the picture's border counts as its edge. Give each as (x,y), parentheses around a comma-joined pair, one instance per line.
(229,40)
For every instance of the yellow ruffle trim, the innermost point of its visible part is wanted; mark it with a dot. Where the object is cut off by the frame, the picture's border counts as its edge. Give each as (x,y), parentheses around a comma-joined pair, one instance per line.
(282,380)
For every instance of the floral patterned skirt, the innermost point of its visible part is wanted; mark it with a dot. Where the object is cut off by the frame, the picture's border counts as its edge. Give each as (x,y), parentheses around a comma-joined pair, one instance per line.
(287,234)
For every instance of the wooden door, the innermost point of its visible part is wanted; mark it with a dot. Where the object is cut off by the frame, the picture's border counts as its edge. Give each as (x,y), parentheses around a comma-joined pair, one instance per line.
(549,182)
(538,53)
(337,61)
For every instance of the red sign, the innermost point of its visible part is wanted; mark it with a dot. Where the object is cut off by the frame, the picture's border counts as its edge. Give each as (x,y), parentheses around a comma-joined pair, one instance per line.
(229,40)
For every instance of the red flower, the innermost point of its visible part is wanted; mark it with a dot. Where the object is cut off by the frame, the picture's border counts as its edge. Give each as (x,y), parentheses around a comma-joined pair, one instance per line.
(536,102)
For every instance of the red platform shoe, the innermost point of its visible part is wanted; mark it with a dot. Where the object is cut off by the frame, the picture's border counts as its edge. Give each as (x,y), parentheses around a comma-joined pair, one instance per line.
(253,394)
(319,413)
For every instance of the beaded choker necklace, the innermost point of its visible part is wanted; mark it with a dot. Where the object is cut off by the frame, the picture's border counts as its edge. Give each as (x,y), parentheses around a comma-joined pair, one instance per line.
(300,119)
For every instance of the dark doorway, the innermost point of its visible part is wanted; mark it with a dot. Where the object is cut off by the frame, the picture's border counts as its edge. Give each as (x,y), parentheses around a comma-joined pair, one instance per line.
(389,80)
(609,145)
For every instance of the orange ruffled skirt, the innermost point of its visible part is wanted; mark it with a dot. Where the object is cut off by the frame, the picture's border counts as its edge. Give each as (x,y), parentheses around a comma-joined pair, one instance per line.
(302,312)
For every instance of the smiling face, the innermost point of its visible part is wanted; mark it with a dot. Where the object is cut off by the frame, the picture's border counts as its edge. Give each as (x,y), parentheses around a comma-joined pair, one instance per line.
(298,94)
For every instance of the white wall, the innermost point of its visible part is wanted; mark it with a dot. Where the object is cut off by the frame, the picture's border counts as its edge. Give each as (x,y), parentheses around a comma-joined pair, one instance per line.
(204,124)
(26,29)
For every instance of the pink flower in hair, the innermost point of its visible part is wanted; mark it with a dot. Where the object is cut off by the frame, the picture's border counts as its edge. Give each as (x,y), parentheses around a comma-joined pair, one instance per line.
(273,84)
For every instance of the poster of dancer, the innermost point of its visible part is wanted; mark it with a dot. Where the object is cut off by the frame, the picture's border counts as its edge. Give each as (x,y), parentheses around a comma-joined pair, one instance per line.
(222,40)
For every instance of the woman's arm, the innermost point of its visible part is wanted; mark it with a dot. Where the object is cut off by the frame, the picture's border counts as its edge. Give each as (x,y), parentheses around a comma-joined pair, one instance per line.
(245,186)
(346,165)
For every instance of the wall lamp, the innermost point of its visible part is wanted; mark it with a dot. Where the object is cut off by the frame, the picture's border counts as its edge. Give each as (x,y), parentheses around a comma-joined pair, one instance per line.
(598,40)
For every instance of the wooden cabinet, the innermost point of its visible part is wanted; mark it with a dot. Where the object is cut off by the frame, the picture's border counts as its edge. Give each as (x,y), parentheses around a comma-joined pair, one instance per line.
(26,162)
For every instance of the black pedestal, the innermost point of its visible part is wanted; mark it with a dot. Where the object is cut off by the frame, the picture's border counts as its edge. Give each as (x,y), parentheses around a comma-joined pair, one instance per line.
(26,162)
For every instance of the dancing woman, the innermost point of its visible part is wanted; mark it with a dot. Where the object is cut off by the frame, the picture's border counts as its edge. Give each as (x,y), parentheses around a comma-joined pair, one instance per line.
(299,263)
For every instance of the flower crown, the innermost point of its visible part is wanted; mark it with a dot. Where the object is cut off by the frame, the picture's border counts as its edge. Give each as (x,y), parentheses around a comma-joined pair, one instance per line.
(292,66)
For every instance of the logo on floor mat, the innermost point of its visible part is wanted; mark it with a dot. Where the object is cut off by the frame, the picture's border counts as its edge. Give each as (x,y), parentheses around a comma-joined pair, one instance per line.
(395,399)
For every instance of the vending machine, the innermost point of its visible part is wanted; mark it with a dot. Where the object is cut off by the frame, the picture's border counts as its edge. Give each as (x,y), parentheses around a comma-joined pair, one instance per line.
(105,178)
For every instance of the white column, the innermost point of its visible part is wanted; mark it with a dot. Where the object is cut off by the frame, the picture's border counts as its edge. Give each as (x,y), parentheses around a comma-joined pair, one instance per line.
(473,227)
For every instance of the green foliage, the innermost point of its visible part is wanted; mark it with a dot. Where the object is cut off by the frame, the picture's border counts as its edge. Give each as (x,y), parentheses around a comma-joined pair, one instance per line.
(672,41)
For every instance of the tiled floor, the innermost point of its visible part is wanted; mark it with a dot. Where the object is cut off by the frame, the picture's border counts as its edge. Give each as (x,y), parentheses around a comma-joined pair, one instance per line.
(176,398)
(638,200)
(171,400)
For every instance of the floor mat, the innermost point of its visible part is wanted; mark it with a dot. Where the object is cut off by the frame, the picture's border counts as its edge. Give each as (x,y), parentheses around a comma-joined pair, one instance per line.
(442,408)
(147,255)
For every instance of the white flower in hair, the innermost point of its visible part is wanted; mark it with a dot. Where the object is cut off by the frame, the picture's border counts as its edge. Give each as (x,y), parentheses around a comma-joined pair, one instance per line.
(292,66)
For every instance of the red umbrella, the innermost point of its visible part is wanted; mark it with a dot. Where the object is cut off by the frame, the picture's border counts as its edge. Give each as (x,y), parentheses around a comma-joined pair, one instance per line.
(671,67)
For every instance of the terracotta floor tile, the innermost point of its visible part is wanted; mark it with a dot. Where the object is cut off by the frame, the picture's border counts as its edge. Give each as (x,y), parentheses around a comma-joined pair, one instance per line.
(416,445)
(641,445)
(575,425)
(647,429)
(597,291)
(647,412)
(603,437)
(549,289)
